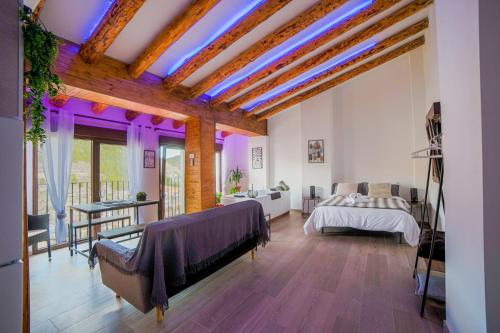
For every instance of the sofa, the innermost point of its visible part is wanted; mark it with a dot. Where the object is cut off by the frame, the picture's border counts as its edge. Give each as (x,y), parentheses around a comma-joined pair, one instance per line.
(175,253)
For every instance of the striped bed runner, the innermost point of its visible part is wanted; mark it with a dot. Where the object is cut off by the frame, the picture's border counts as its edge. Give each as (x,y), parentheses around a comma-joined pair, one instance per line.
(382,203)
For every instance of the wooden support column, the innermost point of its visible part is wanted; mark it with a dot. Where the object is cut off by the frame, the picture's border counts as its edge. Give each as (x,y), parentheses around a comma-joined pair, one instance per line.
(200,177)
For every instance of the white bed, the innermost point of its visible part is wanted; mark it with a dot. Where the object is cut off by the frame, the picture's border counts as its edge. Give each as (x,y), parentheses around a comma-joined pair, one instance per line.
(375,219)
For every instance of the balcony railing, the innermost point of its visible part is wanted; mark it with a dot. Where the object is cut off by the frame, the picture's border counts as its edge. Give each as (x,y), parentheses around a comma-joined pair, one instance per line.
(81,192)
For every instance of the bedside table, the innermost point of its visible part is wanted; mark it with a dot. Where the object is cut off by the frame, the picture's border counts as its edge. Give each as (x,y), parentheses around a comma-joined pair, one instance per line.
(419,205)
(308,204)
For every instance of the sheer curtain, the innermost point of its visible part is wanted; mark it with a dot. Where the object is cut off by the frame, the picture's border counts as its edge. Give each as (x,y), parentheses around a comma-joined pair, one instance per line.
(57,156)
(135,151)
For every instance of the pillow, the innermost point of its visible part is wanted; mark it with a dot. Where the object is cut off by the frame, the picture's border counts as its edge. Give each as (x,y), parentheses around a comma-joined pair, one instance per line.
(363,188)
(395,190)
(346,188)
(379,190)
(284,186)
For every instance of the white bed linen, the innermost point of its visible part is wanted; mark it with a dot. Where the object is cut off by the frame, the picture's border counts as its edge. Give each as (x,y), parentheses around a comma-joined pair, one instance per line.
(376,219)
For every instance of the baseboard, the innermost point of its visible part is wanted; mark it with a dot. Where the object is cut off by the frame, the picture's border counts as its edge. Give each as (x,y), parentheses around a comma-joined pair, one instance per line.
(277,217)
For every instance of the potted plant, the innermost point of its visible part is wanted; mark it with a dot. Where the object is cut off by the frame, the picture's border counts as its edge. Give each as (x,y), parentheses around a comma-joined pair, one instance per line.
(218,197)
(141,196)
(235,176)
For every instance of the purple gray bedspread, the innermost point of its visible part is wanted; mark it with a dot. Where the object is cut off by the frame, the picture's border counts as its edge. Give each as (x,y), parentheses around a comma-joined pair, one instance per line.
(171,249)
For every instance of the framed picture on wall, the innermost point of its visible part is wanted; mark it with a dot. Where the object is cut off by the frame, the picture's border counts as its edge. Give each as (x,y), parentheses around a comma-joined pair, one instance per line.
(316,151)
(149,159)
(257,162)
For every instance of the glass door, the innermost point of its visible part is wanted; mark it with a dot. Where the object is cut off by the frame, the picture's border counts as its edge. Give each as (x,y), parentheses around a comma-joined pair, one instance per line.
(113,176)
(172,180)
(80,187)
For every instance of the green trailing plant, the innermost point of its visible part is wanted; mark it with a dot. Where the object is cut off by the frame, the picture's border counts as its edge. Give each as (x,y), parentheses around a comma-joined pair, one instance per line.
(40,53)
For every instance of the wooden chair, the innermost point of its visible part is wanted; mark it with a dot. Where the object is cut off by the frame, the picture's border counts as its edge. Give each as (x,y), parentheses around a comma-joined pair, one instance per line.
(38,230)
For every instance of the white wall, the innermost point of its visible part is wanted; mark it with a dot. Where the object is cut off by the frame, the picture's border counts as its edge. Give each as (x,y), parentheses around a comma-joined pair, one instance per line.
(459,76)
(369,130)
(234,153)
(151,178)
(285,151)
(317,124)
(489,27)
(375,122)
(259,178)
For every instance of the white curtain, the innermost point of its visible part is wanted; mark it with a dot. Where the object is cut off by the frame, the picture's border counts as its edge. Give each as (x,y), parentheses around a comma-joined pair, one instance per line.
(135,151)
(57,156)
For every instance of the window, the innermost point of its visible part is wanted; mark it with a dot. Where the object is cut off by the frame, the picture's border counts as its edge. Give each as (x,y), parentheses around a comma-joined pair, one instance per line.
(99,172)
(80,188)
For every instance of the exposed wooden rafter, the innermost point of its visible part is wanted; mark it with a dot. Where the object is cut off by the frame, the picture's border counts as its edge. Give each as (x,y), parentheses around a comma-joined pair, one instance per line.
(38,10)
(257,16)
(115,20)
(98,108)
(170,34)
(59,100)
(331,52)
(275,38)
(341,78)
(157,120)
(131,115)
(108,82)
(380,47)
(354,21)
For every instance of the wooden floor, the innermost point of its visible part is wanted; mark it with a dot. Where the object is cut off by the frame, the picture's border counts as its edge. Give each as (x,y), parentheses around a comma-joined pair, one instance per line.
(297,283)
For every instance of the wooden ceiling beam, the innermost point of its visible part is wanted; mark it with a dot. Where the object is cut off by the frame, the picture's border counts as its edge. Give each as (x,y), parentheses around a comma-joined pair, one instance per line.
(331,52)
(115,20)
(170,34)
(38,10)
(341,78)
(108,82)
(238,30)
(328,36)
(59,100)
(131,115)
(378,48)
(98,108)
(157,120)
(275,38)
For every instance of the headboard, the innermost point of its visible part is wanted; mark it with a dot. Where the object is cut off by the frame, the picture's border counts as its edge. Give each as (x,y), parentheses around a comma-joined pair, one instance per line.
(363,188)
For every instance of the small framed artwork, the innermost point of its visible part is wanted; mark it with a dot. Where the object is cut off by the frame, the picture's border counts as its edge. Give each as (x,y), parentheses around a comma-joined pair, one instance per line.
(149,159)
(316,151)
(257,158)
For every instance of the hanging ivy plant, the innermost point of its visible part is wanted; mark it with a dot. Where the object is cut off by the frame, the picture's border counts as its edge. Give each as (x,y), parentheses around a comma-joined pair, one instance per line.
(40,52)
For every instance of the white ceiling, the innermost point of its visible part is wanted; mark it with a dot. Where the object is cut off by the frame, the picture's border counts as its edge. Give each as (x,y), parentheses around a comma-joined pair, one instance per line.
(74,19)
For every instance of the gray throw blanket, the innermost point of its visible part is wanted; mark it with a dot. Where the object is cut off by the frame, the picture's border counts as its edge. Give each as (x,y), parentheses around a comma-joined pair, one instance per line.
(171,249)
(383,203)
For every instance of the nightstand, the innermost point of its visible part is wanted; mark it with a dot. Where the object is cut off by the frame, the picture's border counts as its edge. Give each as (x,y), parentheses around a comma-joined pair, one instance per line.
(308,204)
(419,205)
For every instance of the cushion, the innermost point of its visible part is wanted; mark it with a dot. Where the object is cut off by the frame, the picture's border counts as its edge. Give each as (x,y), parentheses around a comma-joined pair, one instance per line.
(379,190)
(395,190)
(284,186)
(346,188)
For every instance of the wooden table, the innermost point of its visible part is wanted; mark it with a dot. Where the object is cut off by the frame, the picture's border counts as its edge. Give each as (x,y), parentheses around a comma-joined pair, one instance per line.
(101,207)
